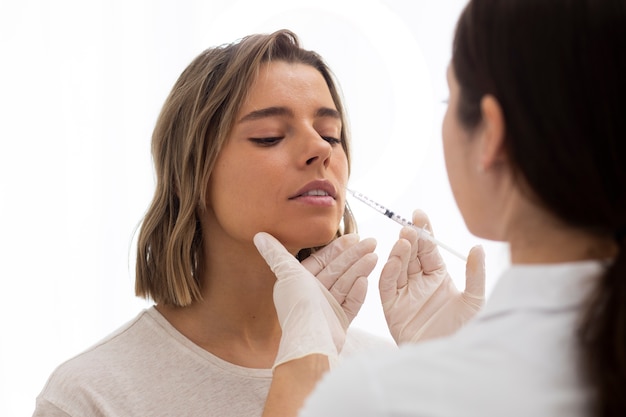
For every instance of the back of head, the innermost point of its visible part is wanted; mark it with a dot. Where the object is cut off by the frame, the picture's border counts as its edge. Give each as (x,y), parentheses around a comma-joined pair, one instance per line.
(194,123)
(558,70)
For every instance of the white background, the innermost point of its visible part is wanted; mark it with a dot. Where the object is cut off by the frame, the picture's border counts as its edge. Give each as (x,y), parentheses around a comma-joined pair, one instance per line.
(81,84)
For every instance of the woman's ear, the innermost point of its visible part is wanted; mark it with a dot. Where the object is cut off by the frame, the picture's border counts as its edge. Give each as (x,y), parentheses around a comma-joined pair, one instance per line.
(492,149)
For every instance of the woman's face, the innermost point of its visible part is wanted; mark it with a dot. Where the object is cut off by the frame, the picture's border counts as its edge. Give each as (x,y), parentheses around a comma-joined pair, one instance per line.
(283,169)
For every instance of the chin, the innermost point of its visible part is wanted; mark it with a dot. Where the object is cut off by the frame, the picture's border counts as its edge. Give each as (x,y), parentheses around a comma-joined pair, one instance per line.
(322,236)
(307,238)
(484,233)
(322,240)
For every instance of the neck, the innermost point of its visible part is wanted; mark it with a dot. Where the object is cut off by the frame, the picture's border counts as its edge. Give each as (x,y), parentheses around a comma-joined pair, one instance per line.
(236,319)
(541,238)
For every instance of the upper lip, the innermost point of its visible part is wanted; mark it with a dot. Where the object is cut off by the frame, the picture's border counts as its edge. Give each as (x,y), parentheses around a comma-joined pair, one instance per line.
(322,185)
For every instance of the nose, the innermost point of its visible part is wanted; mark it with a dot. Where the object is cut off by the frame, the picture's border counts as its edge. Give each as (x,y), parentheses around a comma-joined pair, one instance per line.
(318,150)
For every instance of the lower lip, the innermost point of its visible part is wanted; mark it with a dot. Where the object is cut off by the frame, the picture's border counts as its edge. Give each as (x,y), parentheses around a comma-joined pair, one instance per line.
(316,200)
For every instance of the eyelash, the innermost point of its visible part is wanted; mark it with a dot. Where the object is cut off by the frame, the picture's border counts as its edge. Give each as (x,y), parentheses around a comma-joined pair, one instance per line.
(331,140)
(266,141)
(274,140)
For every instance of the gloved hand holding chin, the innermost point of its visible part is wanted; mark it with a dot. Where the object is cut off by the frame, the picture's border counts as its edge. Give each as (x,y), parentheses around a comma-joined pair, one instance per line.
(311,318)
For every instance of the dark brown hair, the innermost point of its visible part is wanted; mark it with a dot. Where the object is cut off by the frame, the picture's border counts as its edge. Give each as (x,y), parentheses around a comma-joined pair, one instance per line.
(193,125)
(558,70)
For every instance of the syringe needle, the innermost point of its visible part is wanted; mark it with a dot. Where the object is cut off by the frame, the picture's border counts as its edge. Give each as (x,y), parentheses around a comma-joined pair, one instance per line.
(404,222)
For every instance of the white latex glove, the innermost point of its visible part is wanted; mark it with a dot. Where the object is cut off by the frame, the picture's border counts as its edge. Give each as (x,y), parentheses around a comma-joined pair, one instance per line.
(343,267)
(419,298)
(312,321)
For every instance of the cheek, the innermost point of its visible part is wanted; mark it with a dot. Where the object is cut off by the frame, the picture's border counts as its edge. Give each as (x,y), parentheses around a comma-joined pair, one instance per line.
(341,175)
(244,185)
(455,157)
(462,172)
(230,190)
(448,144)
(340,167)
(342,181)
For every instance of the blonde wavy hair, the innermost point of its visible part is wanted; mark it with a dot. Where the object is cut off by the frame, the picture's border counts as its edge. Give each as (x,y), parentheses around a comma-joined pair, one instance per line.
(194,123)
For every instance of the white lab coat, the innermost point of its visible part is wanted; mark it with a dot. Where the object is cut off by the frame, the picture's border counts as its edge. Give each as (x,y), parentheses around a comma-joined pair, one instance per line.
(518,357)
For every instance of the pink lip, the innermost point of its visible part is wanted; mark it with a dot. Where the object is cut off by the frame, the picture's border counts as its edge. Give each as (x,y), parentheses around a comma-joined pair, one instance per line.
(322,185)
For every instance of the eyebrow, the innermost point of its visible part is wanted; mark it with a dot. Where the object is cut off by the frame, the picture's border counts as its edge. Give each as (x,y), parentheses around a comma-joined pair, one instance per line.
(327,112)
(284,111)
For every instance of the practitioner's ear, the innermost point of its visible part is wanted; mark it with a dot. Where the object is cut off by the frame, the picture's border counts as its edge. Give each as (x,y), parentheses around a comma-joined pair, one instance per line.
(492,133)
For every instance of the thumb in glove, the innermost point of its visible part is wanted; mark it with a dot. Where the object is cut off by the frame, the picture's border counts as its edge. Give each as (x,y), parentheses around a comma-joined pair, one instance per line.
(310,318)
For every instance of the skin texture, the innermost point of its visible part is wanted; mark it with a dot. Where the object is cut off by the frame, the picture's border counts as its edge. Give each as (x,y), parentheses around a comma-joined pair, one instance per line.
(280,143)
(250,191)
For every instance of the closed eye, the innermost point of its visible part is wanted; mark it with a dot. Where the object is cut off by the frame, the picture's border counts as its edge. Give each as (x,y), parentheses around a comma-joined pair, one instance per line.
(332,140)
(266,141)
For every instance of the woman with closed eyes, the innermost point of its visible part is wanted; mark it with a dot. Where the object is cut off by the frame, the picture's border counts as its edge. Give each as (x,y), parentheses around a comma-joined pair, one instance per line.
(252,138)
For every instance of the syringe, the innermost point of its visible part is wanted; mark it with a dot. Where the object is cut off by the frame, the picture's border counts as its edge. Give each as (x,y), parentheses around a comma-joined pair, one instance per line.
(404,222)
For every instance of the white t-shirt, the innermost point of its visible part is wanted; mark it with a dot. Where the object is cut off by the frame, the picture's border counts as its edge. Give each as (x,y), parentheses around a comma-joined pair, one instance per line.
(148,368)
(518,357)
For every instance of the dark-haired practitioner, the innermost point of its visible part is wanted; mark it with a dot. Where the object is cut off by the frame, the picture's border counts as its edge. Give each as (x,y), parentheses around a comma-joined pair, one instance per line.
(535,148)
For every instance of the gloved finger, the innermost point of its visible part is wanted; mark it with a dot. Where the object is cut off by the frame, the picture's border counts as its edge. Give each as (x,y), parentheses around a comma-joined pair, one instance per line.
(421,220)
(281,262)
(355,298)
(475,272)
(351,288)
(428,252)
(318,261)
(334,269)
(286,266)
(394,274)
(360,269)
(411,234)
